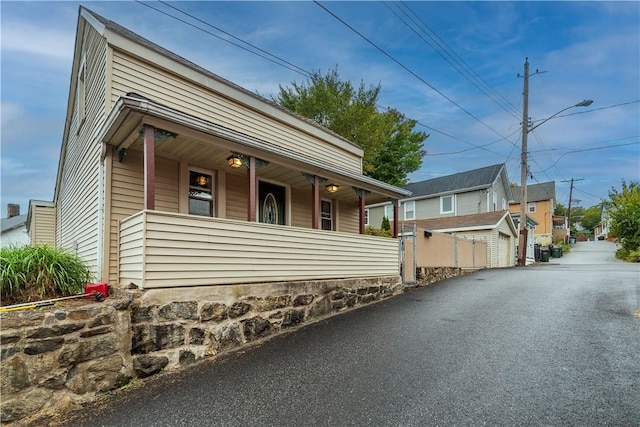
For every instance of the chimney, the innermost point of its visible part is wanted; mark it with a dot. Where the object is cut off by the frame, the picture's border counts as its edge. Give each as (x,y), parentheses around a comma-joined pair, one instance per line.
(12,210)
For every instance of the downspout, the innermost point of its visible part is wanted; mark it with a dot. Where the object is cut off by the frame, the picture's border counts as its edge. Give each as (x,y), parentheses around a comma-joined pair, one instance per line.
(100,213)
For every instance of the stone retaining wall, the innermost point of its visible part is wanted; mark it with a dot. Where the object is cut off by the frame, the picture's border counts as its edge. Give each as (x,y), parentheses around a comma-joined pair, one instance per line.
(428,275)
(60,358)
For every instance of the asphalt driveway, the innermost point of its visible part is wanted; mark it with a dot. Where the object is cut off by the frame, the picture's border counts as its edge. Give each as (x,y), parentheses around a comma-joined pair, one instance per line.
(551,344)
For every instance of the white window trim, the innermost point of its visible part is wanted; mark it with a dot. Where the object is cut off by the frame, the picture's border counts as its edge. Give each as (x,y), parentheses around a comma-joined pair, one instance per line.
(390,210)
(331,214)
(81,93)
(530,205)
(366,216)
(453,204)
(411,203)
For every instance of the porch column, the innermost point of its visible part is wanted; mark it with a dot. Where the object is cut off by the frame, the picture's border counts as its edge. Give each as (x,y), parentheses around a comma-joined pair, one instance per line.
(149,167)
(251,205)
(395,217)
(315,188)
(361,196)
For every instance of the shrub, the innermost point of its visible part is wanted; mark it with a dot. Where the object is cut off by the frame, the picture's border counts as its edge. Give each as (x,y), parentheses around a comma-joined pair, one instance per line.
(40,271)
(373,231)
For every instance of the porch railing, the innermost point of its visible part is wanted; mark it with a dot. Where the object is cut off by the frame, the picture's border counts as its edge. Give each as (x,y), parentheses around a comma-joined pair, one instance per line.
(160,249)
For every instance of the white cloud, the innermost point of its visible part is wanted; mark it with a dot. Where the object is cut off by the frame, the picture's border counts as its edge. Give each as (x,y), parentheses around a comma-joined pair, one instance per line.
(27,38)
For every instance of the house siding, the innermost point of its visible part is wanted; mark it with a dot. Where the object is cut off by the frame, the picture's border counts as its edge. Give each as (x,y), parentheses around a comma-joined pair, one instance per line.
(77,203)
(127,195)
(182,250)
(43,226)
(130,74)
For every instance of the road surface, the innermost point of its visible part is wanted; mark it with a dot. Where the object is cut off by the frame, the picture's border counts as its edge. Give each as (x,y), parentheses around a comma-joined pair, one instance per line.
(551,344)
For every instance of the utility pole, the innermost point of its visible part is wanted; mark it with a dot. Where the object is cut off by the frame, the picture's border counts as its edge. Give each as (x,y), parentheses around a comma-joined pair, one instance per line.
(524,171)
(570,201)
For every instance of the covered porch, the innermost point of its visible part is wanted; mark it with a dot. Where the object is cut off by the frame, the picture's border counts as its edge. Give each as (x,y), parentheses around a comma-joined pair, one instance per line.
(193,203)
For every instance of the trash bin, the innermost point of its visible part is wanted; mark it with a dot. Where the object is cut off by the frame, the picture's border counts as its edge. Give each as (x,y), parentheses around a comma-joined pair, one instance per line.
(557,251)
(544,255)
(536,252)
(572,240)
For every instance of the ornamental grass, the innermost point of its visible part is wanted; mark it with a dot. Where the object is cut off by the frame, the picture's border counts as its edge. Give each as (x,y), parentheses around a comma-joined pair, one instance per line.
(31,273)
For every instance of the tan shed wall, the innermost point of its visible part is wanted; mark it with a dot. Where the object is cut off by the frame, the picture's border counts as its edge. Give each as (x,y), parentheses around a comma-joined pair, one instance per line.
(182,250)
(134,75)
(43,226)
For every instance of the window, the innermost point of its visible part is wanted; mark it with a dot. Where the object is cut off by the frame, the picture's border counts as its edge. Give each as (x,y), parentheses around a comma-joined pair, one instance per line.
(388,212)
(326,215)
(447,204)
(532,207)
(495,201)
(410,210)
(504,204)
(201,193)
(366,217)
(81,94)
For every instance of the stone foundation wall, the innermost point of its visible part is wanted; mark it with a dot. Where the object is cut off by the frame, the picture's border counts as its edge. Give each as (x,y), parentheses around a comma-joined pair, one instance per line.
(170,330)
(428,275)
(59,358)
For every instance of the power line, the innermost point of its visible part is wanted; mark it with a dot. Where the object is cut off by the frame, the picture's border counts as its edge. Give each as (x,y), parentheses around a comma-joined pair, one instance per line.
(588,149)
(290,66)
(459,64)
(406,68)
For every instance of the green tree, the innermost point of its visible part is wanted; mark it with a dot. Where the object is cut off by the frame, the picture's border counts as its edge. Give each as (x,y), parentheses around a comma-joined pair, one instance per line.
(391,148)
(624,212)
(591,217)
(560,210)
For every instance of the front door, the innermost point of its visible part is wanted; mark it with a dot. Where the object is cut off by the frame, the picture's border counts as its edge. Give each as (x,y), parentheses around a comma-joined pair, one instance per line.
(271,203)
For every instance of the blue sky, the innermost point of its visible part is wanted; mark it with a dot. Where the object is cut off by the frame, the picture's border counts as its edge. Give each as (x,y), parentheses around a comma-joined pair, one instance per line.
(473,111)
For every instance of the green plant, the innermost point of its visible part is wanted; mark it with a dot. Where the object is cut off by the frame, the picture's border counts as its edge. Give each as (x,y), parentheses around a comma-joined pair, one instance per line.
(373,231)
(40,271)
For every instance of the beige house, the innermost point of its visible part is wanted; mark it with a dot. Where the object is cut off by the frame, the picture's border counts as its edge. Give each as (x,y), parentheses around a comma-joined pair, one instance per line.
(541,203)
(171,176)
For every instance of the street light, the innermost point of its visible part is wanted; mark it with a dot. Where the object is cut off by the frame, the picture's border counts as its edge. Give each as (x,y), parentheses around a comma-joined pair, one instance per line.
(584,103)
(522,241)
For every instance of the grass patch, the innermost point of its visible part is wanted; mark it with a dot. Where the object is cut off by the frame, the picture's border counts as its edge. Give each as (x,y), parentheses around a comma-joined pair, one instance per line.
(31,273)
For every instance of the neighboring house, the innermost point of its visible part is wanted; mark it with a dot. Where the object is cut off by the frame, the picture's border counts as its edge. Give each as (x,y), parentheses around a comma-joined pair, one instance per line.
(541,203)
(42,231)
(14,229)
(171,176)
(496,229)
(480,190)
(601,230)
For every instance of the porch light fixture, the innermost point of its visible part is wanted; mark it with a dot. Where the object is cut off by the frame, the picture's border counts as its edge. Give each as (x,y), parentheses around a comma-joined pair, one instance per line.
(234,161)
(332,188)
(202,180)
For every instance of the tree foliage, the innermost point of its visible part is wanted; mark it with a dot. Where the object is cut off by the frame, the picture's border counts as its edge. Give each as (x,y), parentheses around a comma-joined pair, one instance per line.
(624,213)
(392,149)
(591,217)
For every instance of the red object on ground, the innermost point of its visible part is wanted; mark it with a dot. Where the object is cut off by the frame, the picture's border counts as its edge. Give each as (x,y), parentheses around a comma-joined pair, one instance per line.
(89,289)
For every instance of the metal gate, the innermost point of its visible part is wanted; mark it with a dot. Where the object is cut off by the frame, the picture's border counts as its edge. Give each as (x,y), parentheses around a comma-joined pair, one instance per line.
(408,254)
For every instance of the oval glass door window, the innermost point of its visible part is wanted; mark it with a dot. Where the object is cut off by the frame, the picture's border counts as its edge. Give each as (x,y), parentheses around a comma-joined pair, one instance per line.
(270,209)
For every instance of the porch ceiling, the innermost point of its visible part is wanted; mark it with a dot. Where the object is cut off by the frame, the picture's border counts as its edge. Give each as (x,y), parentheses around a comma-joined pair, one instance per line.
(208,150)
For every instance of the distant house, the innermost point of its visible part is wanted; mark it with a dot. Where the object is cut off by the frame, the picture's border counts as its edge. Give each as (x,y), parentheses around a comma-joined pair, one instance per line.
(171,176)
(541,204)
(494,228)
(42,231)
(476,191)
(14,229)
